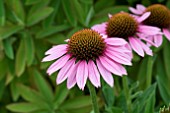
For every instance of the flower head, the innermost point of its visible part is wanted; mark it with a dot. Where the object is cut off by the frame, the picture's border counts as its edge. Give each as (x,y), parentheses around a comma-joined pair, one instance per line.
(87,55)
(129,27)
(160,17)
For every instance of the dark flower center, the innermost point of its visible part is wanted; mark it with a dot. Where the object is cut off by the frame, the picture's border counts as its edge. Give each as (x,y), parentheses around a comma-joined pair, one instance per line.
(160,16)
(121,25)
(86,44)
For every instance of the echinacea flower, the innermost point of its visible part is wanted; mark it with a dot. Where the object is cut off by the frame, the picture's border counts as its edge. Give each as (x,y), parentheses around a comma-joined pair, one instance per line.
(87,55)
(160,17)
(124,25)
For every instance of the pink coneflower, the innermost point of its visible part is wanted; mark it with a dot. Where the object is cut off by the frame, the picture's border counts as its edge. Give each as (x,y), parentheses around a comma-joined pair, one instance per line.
(87,55)
(160,17)
(124,25)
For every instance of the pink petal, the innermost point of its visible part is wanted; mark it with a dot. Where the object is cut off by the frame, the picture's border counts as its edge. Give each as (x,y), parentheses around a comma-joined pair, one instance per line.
(166,33)
(145,48)
(136,46)
(101,28)
(118,49)
(147,39)
(117,58)
(82,74)
(71,80)
(141,7)
(158,40)
(148,30)
(94,75)
(115,41)
(143,17)
(62,75)
(110,65)
(110,15)
(57,48)
(58,64)
(54,56)
(107,76)
(135,11)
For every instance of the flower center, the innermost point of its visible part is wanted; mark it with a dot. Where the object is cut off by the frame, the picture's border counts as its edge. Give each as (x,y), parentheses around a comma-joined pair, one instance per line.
(86,44)
(160,16)
(121,25)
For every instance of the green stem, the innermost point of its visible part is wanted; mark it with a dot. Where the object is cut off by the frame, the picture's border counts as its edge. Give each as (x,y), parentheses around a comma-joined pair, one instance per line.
(149,71)
(127,93)
(93,97)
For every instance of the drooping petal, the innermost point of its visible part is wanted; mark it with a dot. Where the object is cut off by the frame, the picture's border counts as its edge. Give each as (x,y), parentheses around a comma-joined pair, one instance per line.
(141,7)
(62,75)
(145,48)
(101,28)
(115,41)
(143,17)
(166,33)
(121,49)
(71,80)
(107,76)
(94,75)
(135,11)
(82,74)
(148,30)
(58,64)
(56,49)
(110,65)
(136,46)
(158,40)
(117,57)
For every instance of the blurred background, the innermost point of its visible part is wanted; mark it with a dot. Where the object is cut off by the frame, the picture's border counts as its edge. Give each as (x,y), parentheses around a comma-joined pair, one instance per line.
(30,27)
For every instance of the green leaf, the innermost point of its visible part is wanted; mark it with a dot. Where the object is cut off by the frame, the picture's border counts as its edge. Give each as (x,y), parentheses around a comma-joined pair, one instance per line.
(22,107)
(163,82)
(9,30)
(2,88)
(51,30)
(50,19)
(29,48)
(14,90)
(43,86)
(77,102)
(8,48)
(146,102)
(68,9)
(56,38)
(20,60)
(166,57)
(2,13)
(39,15)
(60,95)
(108,95)
(31,2)
(16,7)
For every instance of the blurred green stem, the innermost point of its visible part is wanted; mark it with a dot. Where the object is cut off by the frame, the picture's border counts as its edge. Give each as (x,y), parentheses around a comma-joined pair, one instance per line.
(93,97)
(127,93)
(149,71)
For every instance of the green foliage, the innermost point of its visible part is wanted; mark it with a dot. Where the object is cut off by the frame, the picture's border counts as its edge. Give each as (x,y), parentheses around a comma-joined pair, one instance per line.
(30,27)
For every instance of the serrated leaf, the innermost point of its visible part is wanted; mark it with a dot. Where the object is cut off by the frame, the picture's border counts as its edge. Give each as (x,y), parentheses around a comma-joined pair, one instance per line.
(2,13)
(8,30)
(8,48)
(22,107)
(76,103)
(68,9)
(38,15)
(51,30)
(20,60)
(16,7)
